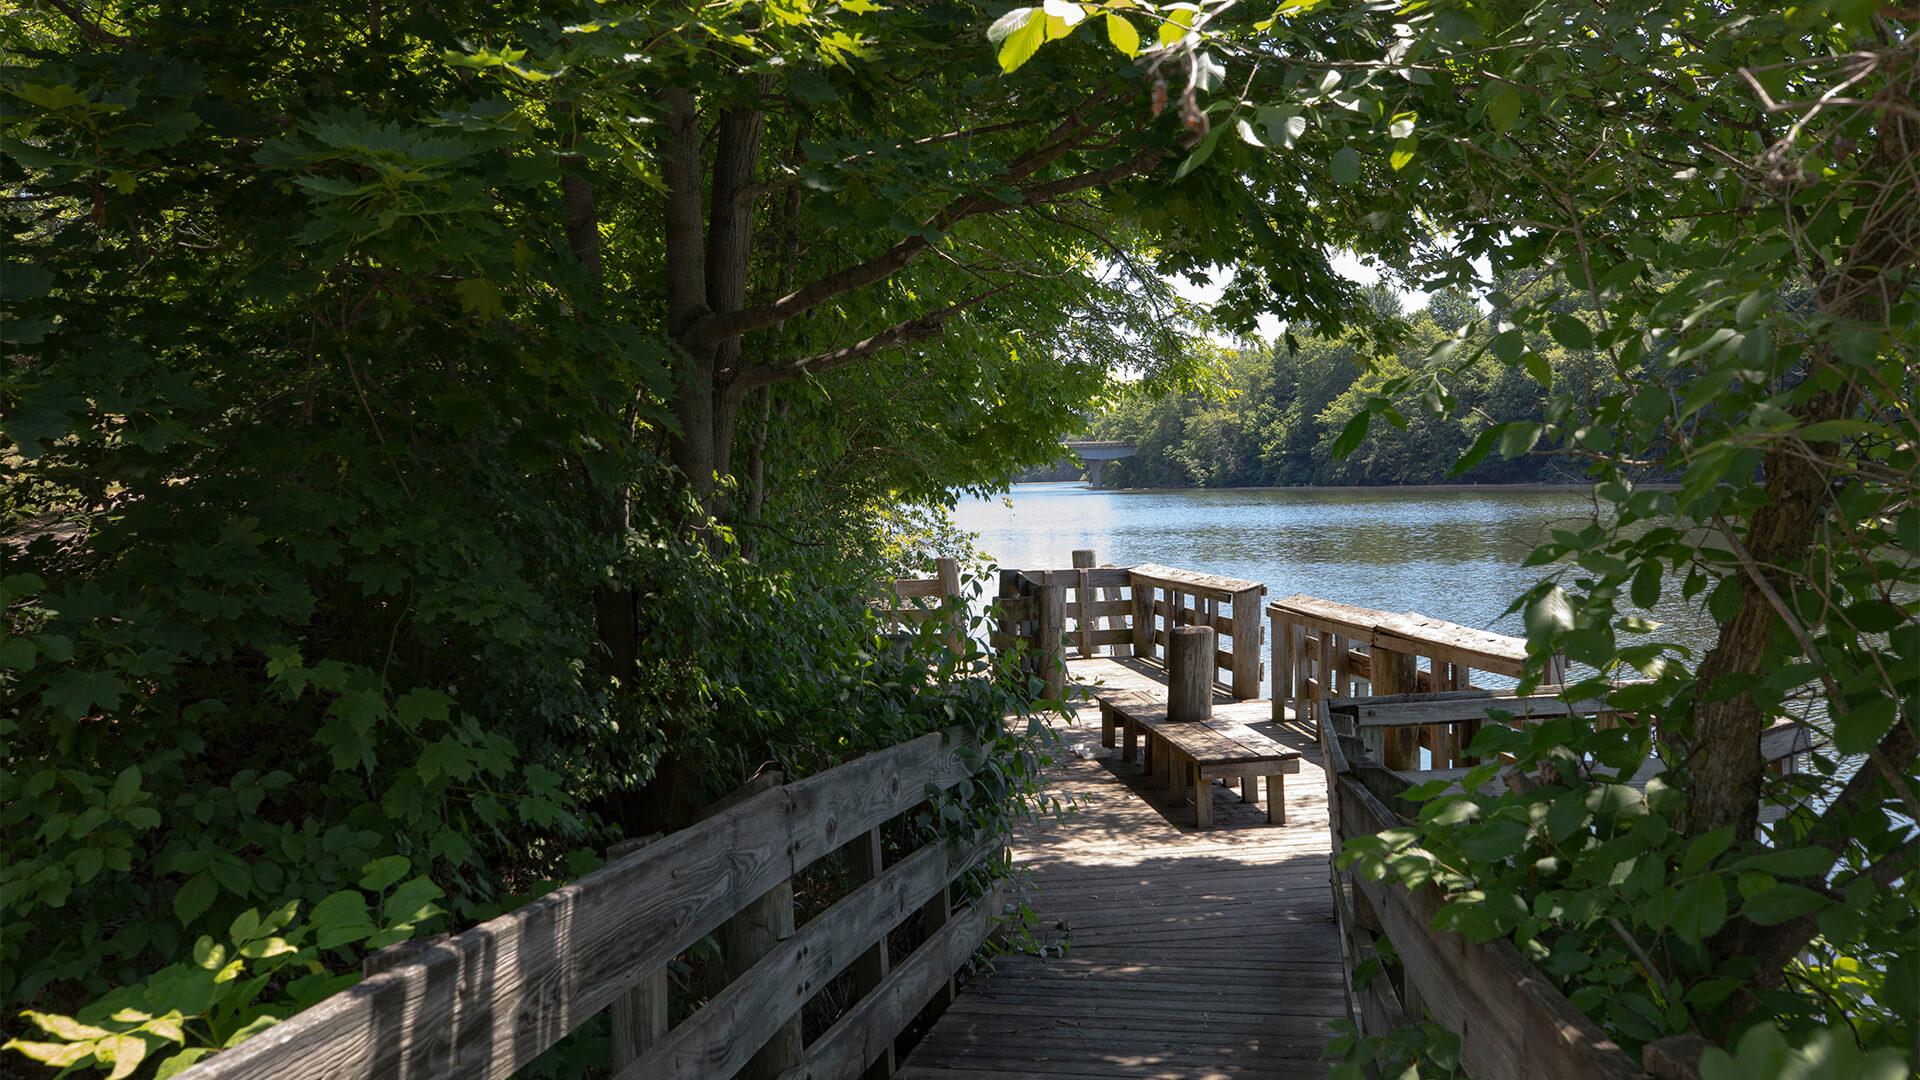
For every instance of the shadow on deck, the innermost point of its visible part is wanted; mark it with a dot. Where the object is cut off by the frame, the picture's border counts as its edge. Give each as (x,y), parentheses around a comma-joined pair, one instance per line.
(1189,954)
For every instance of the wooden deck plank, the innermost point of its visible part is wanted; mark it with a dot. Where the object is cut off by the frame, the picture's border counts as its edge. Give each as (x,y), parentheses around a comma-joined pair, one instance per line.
(1190,954)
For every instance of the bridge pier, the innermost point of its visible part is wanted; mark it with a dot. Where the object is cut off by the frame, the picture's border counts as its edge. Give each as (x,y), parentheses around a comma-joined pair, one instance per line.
(1095,455)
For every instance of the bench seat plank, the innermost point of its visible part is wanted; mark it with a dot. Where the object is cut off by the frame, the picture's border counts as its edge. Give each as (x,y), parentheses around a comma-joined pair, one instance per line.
(1194,753)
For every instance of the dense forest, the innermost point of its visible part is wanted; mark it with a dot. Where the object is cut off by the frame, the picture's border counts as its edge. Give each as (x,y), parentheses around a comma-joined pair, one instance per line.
(440,441)
(1271,414)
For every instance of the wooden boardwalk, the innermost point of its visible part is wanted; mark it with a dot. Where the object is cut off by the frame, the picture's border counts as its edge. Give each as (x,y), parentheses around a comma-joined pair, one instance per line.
(1189,954)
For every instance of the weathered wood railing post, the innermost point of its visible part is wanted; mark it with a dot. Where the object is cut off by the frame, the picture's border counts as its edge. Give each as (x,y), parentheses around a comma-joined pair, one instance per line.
(757,930)
(1246,644)
(865,861)
(1397,673)
(947,571)
(1053,630)
(1280,641)
(1143,617)
(640,1016)
(1083,598)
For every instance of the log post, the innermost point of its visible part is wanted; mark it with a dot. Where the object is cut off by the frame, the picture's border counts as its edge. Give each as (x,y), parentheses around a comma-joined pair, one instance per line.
(1397,673)
(1053,631)
(1190,673)
(948,573)
(1142,618)
(1246,644)
(1083,594)
(640,1017)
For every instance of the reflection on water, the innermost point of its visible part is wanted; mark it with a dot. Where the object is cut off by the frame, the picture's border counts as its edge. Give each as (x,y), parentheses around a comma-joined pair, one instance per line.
(1453,553)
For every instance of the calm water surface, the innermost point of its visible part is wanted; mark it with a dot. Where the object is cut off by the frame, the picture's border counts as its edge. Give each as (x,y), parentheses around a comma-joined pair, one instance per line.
(1453,553)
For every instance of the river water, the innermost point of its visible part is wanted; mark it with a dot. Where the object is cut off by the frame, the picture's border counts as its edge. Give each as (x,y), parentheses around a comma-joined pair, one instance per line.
(1454,553)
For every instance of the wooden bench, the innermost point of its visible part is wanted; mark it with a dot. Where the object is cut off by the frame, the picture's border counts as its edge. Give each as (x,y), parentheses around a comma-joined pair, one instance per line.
(1194,753)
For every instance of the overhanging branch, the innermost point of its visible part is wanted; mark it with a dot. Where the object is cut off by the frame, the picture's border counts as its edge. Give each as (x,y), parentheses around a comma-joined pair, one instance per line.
(718,326)
(916,329)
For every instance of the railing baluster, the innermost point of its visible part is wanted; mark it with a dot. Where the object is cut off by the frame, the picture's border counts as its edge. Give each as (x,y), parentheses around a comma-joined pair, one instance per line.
(640,1016)
(865,858)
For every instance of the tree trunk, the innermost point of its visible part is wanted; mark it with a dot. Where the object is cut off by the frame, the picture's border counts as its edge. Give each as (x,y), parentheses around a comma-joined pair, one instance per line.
(687,302)
(1725,770)
(1725,767)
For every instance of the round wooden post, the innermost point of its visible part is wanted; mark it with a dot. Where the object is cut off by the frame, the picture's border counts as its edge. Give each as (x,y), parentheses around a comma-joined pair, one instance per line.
(1190,652)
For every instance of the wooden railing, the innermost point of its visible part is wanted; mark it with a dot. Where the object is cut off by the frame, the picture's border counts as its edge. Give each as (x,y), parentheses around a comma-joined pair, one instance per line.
(1164,598)
(485,1002)
(1513,1023)
(912,601)
(1081,612)
(1323,649)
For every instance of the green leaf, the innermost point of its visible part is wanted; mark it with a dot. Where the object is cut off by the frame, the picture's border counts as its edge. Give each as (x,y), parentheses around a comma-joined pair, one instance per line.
(23,281)
(194,896)
(1346,165)
(1020,33)
(1123,36)
(76,694)
(382,872)
(1351,435)
(479,298)
(1800,862)
(1518,438)
(1403,153)
(1494,841)
(1508,345)
(1538,367)
(1725,601)
(1700,910)
(179,1062)
(1705,848)
(424,706)
(1504,109)
(1781,902)
(1549,614)
(1570,332)
(1283,126)
(1201,152)
(1477,452)
(1645,590)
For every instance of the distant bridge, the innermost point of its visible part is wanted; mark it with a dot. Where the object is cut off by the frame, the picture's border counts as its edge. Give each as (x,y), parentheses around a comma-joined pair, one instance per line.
(1096,453)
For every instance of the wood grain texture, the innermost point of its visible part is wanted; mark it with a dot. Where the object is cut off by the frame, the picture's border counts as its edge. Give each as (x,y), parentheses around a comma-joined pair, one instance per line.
(724,1034)
(843,1051)
(1190,673)
(1193,581)
(489,1000)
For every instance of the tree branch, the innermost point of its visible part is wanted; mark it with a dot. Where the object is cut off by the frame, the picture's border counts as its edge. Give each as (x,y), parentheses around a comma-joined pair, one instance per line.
(720,325)
(90,30)
(916,329)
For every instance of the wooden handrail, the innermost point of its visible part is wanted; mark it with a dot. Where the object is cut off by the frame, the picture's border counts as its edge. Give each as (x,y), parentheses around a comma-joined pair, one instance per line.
(900,606)
(1034,607)
(485,1002)
(1513,1023)
(1323,649)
